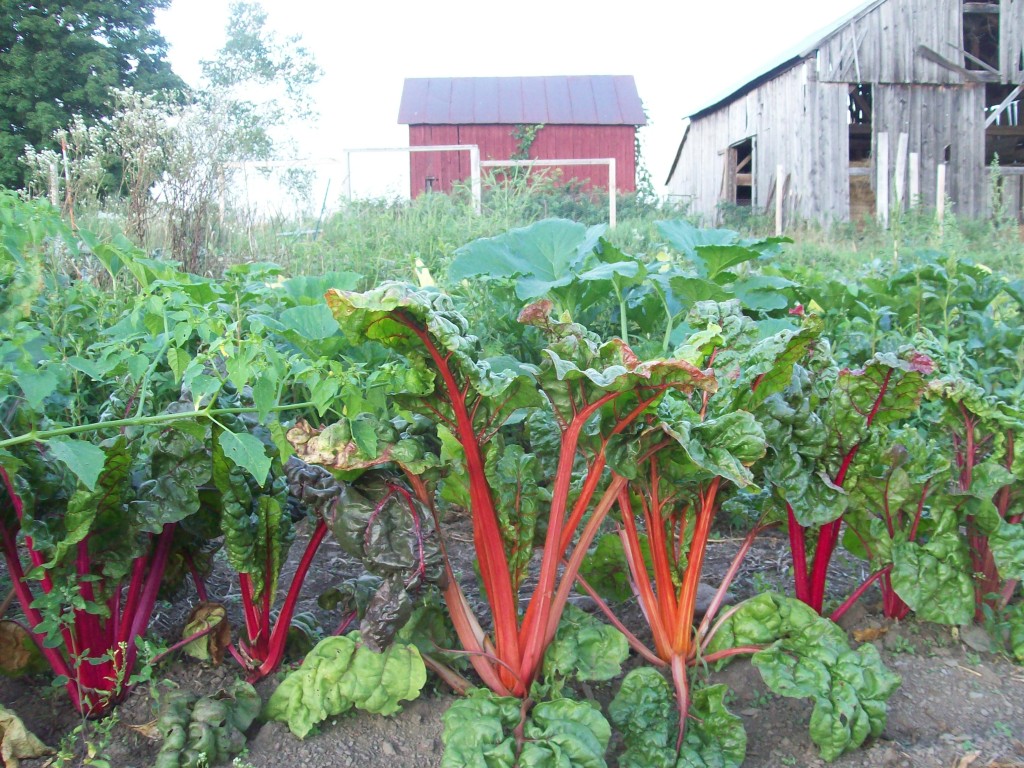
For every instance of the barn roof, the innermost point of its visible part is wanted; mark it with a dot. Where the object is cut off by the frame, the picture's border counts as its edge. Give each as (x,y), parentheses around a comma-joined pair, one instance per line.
(788,59)
(780,64)
(563,100)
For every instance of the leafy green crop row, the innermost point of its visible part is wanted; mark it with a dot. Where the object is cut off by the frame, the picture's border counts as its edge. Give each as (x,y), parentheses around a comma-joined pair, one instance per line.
(590,409)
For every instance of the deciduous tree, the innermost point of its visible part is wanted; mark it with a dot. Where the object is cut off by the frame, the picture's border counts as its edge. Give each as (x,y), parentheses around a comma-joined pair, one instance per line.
(61,60)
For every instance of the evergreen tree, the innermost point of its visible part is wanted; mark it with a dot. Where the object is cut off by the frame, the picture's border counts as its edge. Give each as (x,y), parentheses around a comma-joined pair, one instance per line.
(63,59)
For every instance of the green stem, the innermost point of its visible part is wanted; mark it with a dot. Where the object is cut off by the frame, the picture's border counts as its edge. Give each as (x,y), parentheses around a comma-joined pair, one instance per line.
(668,324)
(149,371)
(623,325)
(139,421)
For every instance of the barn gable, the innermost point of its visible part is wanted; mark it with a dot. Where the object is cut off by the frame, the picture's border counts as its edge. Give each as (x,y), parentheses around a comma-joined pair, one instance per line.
(867,115)
(543,118)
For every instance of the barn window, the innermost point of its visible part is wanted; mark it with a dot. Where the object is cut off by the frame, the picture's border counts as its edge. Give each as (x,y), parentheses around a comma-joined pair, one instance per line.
(740,173)
(1004,126)
(981,35)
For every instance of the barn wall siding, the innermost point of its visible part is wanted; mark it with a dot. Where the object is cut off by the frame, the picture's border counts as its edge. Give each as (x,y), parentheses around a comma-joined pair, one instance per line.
(887,40)
(496,142)
(799,118)
(1011,40)
(935,117)
(794,121)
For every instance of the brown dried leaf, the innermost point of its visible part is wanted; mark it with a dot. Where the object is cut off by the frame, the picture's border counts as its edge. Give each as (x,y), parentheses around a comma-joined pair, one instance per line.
(147,730)
(324,448)
(869,634)
(967,760)
(212,645)
(15,648)
(16,741)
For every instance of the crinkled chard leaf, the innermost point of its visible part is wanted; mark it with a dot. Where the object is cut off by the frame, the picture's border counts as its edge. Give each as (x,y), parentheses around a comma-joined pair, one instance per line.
(205,731)
(606,570)
(644,712)
(934,578)
(179,465)
(341,673)
(724,447)
(585,648)
(567,733)
(479,731)
(516,478)
(808,656)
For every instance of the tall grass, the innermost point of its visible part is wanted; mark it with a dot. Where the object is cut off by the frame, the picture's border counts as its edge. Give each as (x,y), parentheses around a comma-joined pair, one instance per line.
(389,238)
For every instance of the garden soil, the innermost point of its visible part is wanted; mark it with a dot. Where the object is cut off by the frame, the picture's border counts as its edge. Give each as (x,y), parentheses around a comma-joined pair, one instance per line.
(960,704)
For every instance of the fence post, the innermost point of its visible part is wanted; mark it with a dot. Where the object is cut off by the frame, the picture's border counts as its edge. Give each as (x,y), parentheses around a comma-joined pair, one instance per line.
(612,193)
(940,195)
(901,169)
(915,179)
(474,175)
(882,179)
(779,189)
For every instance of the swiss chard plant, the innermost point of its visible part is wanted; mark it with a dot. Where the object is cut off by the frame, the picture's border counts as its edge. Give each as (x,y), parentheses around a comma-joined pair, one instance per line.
(663,533)
(591,396)
(817,427)
(903,520)
(987,467)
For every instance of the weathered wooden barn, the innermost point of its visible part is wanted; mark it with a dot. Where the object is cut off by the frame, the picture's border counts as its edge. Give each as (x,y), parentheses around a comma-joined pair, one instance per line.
(543,118)
(873,113)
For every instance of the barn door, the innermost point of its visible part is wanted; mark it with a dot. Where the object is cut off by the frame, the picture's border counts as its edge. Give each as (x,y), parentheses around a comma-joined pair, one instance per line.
(860,118)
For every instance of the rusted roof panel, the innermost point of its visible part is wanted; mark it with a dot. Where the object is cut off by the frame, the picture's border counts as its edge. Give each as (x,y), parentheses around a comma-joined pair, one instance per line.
(572,100)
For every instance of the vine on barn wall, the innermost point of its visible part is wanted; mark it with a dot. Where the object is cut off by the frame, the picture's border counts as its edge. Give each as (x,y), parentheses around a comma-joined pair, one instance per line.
(524,135)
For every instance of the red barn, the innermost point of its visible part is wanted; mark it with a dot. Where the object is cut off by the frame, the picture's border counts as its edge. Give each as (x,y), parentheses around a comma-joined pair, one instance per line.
(543,118)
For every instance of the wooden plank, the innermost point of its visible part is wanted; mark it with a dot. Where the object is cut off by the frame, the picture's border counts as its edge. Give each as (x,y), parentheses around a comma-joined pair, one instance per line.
(940,194)
(778,204)
(1001,107)
(901,168)
(915,179)
(967,55)
(981,8)
(1006,130)
(860,170)
(882,179)
(927,53)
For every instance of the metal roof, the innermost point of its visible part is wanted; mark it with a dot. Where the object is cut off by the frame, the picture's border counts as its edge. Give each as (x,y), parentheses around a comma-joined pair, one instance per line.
(559,100)
(781,63)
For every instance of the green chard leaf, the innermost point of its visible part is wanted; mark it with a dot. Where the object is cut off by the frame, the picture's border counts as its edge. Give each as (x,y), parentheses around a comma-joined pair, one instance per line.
(644,711)
(257,532)
(105,497)
(807,656)
(479,731)
(204,731)
(585,648)
(340,673)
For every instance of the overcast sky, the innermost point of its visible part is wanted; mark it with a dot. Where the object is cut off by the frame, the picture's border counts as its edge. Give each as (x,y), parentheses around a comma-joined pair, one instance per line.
(683,55)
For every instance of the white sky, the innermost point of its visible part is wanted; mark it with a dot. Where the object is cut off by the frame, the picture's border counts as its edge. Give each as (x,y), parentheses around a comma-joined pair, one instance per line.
(683,54)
